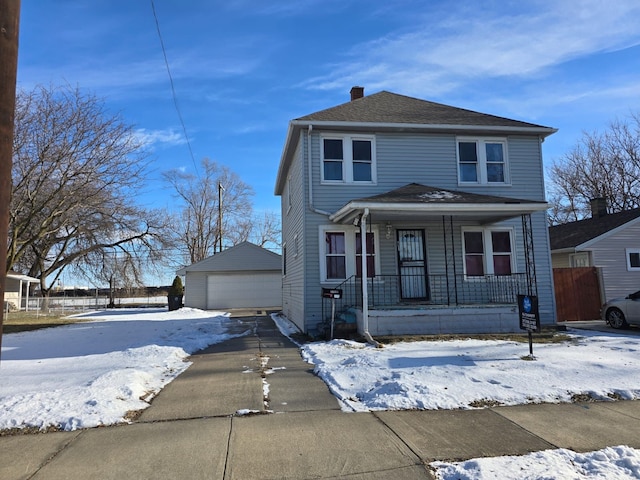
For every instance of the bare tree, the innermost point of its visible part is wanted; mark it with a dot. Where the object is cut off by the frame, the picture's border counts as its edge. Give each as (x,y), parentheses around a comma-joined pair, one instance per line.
(198,231)
(77,171)
(266,230)
(601,165)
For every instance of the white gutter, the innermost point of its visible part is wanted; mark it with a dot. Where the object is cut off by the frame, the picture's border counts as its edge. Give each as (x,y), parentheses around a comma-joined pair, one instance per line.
(365,276)
(545,131)
(310,173)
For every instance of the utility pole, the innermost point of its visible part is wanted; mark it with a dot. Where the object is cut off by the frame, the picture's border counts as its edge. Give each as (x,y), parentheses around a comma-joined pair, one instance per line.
(9,23)
(220,189)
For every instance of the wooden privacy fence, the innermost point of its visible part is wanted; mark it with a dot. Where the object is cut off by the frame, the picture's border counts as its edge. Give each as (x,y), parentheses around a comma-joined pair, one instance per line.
(577,293)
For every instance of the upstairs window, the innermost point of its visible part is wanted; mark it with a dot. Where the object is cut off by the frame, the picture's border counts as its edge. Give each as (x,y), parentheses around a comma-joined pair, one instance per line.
(362,160)
(333,159)
(348,159)
(482,161)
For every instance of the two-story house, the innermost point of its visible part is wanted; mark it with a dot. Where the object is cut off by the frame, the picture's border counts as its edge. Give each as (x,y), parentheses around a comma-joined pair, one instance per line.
(440,209)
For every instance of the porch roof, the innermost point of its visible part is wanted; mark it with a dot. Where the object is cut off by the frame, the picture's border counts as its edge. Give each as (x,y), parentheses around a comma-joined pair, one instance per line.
(23,278)
(415,201)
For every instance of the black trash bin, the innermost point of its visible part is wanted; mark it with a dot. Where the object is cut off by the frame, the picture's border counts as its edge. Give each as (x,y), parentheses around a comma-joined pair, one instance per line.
(175,302)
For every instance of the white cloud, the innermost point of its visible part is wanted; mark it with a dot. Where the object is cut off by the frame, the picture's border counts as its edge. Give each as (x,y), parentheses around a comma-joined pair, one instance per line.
(168,137)
(444,50)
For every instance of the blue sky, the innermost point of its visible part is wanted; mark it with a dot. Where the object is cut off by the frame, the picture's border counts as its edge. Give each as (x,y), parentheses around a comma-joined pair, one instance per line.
(242,69)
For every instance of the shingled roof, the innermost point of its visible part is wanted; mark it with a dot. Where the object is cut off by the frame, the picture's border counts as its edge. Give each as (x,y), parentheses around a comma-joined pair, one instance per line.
(417,193)
(387,107)
(574,234)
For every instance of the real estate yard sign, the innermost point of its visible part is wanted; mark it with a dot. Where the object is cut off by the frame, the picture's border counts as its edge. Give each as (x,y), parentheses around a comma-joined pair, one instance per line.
(529,316)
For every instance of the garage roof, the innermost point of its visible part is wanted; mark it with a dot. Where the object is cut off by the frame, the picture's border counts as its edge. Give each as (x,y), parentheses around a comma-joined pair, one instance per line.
(243,257)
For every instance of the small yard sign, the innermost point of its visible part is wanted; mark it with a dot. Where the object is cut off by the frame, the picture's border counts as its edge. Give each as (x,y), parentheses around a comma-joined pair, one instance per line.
(529,316)
(334,293)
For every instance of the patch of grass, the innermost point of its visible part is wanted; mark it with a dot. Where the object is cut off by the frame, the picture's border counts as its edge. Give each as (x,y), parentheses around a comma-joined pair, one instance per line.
(29,430)
(26,321)
(582,398)
(484,403)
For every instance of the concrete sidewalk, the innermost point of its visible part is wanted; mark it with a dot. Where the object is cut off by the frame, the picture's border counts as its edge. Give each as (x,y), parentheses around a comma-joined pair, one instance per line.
(196,428)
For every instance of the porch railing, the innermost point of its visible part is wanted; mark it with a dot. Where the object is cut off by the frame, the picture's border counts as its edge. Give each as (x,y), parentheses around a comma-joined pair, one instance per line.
(442,290)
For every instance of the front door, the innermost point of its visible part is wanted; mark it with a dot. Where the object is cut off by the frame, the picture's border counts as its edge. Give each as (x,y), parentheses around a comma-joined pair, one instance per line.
(412,265)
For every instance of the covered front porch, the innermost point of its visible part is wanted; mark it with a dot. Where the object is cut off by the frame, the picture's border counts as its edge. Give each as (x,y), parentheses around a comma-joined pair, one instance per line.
(445,284)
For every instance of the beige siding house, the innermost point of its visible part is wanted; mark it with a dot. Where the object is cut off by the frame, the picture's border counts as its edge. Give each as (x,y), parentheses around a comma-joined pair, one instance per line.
(16,295)
(610,242)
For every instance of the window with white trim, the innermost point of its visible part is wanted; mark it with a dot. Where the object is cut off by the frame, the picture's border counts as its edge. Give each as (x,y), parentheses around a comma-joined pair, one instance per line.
(487,251)
(341,253)
(348,159)
(633,259)
(482,160)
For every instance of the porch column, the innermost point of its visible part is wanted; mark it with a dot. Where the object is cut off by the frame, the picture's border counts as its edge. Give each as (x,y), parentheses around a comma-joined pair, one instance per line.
(530,262)
(450,257)
(26,303)
(365,272)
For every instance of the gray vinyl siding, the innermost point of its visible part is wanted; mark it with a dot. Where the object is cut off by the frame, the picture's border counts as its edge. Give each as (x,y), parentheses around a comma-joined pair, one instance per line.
(293,298)
(195,290)
(430,159)
(403,158)
(544,272)
(610,255)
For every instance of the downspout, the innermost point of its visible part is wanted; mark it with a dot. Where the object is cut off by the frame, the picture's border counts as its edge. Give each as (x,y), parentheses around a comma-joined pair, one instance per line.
(365,276)
(310,174)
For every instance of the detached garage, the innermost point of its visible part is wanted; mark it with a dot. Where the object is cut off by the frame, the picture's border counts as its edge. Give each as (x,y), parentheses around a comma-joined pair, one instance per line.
(244,276)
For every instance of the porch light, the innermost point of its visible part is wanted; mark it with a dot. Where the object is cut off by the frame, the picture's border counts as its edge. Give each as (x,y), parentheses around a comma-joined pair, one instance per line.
(388,234)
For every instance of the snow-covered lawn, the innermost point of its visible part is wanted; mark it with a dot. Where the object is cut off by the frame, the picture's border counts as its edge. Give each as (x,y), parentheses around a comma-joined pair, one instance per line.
(619,463)
(467,373)
(93,373)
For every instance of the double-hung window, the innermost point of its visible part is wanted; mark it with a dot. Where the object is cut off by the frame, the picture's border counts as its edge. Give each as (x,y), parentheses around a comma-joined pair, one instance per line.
(482,160)
(341,253)
(488,252)
(348,159)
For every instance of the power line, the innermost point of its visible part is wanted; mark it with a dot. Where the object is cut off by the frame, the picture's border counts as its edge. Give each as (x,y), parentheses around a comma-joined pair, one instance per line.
(173,89)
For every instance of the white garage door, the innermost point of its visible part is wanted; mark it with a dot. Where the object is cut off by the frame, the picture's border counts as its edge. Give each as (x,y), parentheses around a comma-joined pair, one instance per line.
(257,290)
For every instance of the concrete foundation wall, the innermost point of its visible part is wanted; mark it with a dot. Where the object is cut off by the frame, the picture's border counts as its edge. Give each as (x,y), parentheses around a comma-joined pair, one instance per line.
(446,320)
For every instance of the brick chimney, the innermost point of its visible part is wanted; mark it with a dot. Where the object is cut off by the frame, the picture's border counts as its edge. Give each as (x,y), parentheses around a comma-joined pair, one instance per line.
(598,207)
(356,93)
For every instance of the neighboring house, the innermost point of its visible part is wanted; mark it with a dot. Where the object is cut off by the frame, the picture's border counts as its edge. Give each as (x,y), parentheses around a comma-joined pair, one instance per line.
(16,289)
(442,209)
(244,276)
(610,242)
